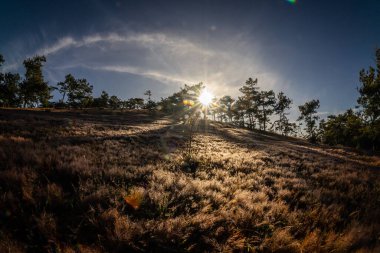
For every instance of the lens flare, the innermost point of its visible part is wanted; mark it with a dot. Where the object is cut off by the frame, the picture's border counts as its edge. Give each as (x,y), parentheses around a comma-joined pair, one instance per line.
(292,1)
(205,98)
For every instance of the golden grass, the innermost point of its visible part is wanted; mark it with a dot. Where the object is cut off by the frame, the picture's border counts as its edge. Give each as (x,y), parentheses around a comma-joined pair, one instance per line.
(124,183)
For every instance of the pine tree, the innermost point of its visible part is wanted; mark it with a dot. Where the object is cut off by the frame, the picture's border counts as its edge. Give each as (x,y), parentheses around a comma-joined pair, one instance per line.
(283,104)
(265,107)
(369,100)
(34,90)
(226,106)
(79,91)
(308,114)
(249,100)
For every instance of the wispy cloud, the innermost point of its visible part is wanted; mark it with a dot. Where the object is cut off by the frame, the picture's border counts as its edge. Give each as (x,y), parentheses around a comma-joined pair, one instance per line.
(155,40)
(149,74)
(167,58)
(60,45)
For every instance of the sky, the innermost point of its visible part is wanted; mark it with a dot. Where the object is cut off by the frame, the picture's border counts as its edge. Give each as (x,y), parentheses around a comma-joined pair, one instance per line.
(306,48)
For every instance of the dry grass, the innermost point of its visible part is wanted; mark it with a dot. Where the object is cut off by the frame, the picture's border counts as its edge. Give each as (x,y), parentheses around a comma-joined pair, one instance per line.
(122,182)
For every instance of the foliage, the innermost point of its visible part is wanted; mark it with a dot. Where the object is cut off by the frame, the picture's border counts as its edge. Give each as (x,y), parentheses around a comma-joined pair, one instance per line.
(149,94)
(34,90)
(283,125)
(309,115)
(369,91)
(342,129)
(135,103)
(79,91)
(174,104)
(238,111)
(114,102)
(9,90)
(249,100)
(265,107)
(102,101)
(225,107)
(361,129)
(369,99)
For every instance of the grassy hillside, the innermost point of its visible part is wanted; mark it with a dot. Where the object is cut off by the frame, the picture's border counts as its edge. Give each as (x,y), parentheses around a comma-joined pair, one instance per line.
(76,181)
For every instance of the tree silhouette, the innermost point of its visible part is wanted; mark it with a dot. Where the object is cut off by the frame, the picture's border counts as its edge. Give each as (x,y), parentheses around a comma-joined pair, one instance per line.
(265,104)
(134,103)
(238,111)
(308,114)
(104,99)
(175,103)
(225,104)
(148,93)
(79,91)
(370,91)
(63,87)
(342,129)
(34,89)
(114,102)
(282,124)
(150,104)
(369,100)
(249,99)
(9,88)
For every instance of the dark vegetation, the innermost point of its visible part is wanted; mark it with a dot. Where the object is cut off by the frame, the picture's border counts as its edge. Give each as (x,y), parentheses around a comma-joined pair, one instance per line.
(254,109)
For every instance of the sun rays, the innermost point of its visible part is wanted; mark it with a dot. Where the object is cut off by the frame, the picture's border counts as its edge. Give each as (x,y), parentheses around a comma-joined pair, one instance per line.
(205,98)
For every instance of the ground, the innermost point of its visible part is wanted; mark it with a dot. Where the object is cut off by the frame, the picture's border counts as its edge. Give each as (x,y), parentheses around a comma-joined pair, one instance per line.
(106,181)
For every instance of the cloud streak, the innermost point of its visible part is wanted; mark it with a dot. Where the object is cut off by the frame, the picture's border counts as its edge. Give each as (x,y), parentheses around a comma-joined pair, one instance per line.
(155,40)
(149,74)
(166,58)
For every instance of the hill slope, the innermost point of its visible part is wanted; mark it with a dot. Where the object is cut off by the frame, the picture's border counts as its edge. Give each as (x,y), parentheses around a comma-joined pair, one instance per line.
(79,181)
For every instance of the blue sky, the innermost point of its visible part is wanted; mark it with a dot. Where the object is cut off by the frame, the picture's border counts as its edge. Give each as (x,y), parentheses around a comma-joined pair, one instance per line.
(311,49)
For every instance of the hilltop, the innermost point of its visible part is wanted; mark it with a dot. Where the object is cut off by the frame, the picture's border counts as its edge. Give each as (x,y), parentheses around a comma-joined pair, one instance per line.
(126,181)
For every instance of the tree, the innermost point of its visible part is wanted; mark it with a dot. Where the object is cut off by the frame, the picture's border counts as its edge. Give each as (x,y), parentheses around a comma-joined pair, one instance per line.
(308,114)
(238,111)
(149,94)
(79,91)
(114,102)
(220,110)
(175,103)
(104,99)
(369,100)
(345,129)
(34,89)
(265,104)
(135,103)
(9,88)
(81,95)
(283,104)
(289,128)
(150,105)
(66,86)
(249,100)
(370,91)
(225,104)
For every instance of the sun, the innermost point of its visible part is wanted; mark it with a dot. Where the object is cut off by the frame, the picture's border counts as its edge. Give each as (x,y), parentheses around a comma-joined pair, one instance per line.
(205,97)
